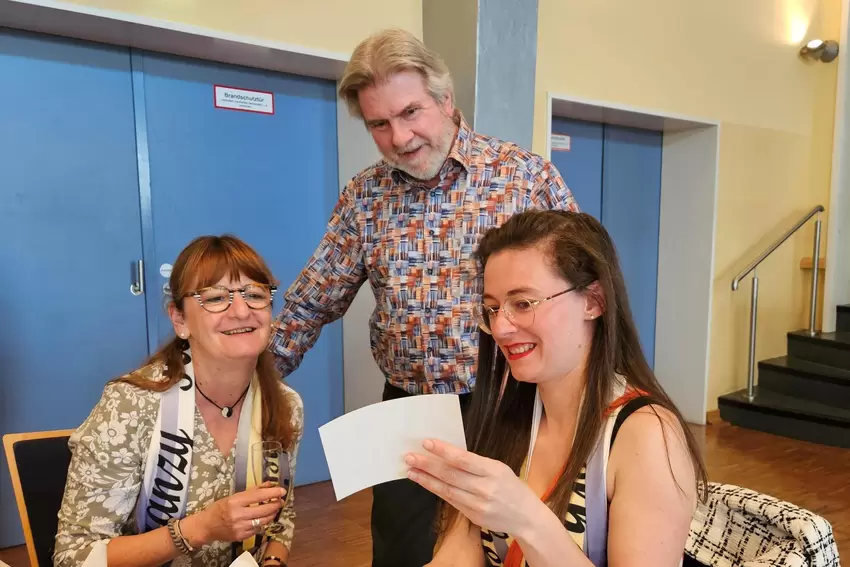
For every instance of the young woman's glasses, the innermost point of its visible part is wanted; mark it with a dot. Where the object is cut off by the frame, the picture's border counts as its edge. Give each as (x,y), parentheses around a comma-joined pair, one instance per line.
(216,299)
(518,310)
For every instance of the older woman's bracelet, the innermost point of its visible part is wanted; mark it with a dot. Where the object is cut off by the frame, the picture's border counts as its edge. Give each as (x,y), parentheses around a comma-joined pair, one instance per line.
(180,542)
(274,558)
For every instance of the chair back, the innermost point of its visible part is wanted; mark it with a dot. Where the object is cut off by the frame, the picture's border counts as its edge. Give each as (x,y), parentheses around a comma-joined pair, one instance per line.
(739,526)
(38,464)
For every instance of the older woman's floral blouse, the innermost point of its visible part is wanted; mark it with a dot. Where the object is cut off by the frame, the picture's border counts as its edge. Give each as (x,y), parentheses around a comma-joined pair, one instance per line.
(104,479)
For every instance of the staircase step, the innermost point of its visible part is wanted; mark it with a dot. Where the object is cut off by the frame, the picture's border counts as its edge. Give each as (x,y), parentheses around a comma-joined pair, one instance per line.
(788,416)
(828,349)
(842,323)
(803,379)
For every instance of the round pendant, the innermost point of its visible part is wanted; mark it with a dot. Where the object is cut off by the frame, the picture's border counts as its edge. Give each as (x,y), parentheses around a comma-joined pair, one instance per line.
(226,411)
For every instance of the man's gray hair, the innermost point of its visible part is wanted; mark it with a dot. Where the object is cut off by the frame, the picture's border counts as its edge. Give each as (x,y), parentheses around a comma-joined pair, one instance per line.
(385,53)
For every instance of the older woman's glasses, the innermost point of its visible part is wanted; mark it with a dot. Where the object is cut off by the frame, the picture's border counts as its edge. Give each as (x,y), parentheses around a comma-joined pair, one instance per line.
(216,299)
(518,310)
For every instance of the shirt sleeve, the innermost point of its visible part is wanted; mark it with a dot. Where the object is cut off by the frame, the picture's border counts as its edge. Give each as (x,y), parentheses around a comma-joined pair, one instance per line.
(287,515)
(104,477)
(550,191)
(325,288)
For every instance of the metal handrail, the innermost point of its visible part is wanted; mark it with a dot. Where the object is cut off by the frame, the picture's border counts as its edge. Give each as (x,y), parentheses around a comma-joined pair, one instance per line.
(761,258)
(817,210)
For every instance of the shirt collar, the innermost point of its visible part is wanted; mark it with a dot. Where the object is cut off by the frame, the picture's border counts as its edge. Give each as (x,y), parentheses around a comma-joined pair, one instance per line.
(462,145)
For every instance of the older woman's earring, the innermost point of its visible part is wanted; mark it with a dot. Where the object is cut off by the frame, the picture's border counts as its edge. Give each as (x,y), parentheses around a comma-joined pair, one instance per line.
(184,336)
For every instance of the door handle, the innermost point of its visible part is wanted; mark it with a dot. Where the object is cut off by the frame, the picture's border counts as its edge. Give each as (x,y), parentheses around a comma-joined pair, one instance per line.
(138,285)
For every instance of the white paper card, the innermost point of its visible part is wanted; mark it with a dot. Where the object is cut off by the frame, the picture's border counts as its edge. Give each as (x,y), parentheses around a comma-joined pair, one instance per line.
(244,560)
(97,555)
(367,446)
(560,143)
(243,99)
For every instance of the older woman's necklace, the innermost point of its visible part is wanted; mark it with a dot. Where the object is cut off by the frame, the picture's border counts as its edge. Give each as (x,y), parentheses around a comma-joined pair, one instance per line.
(226,411)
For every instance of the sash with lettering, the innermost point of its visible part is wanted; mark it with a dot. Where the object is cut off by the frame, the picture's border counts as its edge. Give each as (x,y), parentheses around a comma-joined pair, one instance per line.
(586,520)
(165,485)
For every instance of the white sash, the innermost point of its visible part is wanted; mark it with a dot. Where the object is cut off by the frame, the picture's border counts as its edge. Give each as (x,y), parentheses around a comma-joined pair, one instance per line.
(165,485)
(596,499)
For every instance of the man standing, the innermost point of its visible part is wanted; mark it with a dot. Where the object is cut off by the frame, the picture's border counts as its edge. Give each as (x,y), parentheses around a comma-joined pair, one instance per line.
(409,225)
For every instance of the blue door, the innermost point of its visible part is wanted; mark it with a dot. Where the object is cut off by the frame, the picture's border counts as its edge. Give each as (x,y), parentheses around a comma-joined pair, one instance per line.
(615,174)
(631,209)
(69,233)
(579,160)
(270,179)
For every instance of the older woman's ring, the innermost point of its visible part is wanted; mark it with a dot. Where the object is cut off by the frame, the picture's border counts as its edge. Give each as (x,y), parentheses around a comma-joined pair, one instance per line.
(255,523)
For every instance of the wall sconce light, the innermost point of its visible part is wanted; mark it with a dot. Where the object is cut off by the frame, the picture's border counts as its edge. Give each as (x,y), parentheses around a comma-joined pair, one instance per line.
(820,50)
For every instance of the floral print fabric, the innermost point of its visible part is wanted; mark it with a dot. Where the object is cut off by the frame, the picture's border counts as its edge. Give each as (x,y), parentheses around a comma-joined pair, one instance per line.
(104,479)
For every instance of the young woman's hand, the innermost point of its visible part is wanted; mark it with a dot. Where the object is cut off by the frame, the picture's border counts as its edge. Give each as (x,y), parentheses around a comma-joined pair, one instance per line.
(486,491)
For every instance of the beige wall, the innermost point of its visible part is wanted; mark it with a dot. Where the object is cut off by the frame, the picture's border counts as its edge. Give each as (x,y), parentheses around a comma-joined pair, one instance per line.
(726,60)
(734,62)
(334,25)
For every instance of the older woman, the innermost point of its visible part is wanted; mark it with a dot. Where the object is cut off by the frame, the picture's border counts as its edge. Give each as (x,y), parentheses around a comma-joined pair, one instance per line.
(166,467)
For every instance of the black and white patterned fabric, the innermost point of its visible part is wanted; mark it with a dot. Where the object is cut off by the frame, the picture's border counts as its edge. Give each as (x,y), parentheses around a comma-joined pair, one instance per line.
(741,527)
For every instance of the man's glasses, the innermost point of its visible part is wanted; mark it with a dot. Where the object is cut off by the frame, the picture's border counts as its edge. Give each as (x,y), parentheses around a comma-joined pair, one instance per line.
(518,310)
(217,299)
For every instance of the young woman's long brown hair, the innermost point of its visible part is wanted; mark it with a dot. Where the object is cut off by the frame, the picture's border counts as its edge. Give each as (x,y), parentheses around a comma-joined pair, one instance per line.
(582,253)
(203,263)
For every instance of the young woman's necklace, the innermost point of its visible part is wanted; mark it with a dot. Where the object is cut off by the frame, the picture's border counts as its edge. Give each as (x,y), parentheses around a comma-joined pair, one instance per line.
(226,411)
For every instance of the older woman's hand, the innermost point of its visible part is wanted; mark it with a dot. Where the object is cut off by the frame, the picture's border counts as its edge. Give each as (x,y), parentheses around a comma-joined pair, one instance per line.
(486,491)
(233,518)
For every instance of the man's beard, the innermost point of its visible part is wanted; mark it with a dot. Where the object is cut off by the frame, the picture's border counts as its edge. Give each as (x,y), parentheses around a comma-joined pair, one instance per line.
(437,154)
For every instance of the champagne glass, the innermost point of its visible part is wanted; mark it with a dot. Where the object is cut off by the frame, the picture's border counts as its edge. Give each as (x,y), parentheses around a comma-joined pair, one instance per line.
(271,466)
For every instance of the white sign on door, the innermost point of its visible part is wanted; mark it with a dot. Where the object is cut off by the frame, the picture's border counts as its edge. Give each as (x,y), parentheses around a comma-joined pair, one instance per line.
(246,100)
(560,143)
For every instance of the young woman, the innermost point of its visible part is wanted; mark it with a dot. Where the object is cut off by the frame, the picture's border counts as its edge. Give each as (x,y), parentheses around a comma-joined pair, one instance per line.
(577,456)
(164,468)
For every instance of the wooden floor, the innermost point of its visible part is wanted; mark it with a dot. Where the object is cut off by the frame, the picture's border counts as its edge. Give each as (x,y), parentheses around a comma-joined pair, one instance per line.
(815,477)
